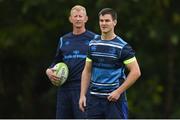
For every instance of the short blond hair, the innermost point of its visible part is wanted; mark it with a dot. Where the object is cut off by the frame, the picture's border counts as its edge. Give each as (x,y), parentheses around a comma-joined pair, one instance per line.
(78,8)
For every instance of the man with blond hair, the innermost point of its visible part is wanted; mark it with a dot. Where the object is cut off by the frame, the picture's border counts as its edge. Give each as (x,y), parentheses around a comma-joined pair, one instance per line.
(72,49)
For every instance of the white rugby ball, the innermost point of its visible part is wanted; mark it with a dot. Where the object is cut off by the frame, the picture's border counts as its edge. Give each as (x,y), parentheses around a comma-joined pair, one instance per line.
(61,70)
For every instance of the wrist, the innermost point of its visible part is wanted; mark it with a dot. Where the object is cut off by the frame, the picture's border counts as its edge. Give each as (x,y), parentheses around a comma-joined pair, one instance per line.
(119,90)
(82,94)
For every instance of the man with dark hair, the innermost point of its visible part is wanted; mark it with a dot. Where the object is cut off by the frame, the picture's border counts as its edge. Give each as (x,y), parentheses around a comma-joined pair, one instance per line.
(107,58)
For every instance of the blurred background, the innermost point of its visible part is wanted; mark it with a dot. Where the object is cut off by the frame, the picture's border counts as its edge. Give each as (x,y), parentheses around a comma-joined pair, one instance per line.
(29,33)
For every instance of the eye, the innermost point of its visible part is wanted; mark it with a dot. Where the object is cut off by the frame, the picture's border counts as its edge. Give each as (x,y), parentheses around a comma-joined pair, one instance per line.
(80,16)
(107,20)
(101,20)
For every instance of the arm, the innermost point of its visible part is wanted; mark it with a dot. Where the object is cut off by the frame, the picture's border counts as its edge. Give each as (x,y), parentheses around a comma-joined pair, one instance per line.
(133,75)
(58,58)
(85,80)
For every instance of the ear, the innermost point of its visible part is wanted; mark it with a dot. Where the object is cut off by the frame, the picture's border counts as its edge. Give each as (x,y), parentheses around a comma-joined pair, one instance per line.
(86,19)
(70,20)
(115,22)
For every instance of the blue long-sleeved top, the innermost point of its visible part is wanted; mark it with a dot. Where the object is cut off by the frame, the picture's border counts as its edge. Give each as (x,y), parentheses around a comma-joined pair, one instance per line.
(72,50)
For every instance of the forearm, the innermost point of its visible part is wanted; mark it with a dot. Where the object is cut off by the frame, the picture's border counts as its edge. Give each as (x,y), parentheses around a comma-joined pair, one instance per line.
(85,80)
(130,80)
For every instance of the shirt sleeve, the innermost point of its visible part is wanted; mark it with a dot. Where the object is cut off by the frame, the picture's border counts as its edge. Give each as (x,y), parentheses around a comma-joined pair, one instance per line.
(59,55)
(88,57)
(127,54)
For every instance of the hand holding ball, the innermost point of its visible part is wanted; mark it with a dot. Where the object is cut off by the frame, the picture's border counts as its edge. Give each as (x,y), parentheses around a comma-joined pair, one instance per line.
(61,71)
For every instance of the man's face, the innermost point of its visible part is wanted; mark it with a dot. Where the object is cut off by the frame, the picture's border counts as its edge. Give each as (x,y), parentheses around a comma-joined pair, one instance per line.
(78,18)
(106,23)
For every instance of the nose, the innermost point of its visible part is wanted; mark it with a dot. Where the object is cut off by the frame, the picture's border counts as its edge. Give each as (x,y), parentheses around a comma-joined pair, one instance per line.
(103,22)
(78,18)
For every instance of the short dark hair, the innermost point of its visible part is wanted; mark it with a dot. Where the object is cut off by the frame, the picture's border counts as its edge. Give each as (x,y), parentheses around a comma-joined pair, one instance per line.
(108,11)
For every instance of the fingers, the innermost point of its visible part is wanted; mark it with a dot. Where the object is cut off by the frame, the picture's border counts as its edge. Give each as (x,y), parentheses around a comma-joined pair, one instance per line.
(51,74)
(82,104)
(111,98)
(55,81)
(53,78)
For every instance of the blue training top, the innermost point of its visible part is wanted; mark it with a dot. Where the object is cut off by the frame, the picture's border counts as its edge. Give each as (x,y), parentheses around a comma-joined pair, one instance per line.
(72,50)
(108,59)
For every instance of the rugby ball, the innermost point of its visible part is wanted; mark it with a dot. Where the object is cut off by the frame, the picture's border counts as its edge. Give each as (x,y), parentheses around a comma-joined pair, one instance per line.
(61,70)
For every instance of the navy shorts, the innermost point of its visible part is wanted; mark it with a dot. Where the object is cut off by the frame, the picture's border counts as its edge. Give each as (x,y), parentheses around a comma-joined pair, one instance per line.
(68,105)
(101,108)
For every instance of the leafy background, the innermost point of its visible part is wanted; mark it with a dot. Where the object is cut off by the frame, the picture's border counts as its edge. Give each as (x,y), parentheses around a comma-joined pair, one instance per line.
(29,33)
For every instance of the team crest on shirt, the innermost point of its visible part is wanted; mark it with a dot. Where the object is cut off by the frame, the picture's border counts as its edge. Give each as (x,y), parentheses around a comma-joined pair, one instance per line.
(93,48)
(87,42)
(112,50)
(67,43)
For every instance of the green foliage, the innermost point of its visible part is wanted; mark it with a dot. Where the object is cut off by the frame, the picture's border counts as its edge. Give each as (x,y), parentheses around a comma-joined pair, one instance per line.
(29,32)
